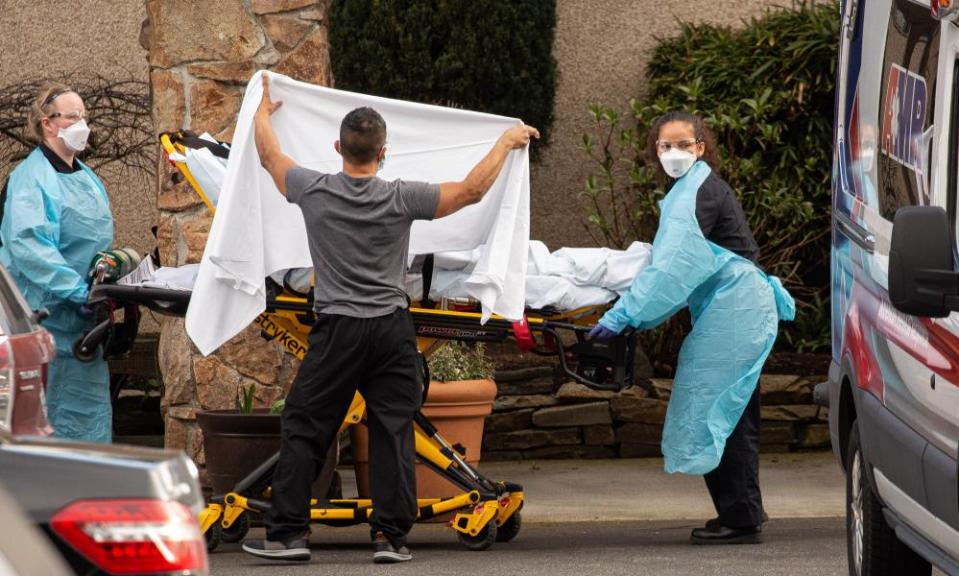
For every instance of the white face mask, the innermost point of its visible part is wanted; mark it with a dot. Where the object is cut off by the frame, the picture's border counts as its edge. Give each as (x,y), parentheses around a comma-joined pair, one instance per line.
(75,135)
(677,162)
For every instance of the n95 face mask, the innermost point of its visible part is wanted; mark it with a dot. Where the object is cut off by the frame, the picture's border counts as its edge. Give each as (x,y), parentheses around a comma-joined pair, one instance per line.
(677,162)
(75,135)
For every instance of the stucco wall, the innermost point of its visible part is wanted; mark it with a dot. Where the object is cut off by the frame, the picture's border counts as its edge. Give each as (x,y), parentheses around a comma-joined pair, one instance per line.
(601,47)
(52,37)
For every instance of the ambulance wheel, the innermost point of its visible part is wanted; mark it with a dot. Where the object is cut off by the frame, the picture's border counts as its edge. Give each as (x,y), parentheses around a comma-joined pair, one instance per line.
(213,536)
(83,355)
(483,539)
(509,529)
(237,531)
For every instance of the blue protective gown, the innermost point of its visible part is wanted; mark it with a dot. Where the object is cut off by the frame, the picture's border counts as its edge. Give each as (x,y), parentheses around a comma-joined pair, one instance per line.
(735,309)
(53,225)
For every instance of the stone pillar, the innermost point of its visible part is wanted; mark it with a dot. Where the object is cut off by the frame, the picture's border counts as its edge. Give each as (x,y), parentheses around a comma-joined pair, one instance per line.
(201,56)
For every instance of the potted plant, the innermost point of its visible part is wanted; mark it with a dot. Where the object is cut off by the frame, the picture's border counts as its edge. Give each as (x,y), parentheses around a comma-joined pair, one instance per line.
(460,396)
(237,441)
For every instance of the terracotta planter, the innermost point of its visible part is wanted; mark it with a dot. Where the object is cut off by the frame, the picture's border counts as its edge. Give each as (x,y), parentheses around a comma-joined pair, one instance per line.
(235,444)
(458,410)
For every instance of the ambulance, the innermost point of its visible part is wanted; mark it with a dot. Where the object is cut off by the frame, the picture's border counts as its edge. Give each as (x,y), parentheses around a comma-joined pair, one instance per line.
(893,389)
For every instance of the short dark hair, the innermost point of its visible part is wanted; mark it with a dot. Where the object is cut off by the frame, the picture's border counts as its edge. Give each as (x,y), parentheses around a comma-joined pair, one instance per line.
(362,134)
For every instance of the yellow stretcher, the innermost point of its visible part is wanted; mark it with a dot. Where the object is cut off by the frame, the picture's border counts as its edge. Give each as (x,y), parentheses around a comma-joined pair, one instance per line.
(485,511)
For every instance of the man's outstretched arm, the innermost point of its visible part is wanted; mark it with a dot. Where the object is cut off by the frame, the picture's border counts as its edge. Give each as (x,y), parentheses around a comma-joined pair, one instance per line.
(267,146)
(457,195)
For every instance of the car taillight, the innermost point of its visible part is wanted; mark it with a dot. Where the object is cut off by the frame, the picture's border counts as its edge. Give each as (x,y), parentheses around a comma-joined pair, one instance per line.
(7,388)
(134,536)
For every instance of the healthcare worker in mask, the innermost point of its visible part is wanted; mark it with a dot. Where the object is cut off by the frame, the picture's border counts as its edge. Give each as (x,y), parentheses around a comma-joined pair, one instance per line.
(56,217)
(704,257)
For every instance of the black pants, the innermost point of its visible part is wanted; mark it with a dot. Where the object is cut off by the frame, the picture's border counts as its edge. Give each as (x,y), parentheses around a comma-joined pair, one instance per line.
(378,356)
(734,484)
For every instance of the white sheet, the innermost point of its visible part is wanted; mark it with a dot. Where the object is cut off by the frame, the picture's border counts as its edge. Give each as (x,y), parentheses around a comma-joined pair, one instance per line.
(256,232)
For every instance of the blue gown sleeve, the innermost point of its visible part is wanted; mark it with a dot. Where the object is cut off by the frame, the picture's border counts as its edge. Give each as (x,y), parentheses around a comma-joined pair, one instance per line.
(31,231)
(682,261)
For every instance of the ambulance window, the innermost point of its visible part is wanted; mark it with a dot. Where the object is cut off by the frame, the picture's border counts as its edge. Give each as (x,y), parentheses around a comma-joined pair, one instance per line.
(908,87)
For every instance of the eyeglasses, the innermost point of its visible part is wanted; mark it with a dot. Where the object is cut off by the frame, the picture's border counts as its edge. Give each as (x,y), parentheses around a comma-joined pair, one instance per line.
(74,116)
(684,145)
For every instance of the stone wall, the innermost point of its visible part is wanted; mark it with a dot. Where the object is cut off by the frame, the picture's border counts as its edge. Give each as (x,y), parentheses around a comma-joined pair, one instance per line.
(539,416)
(201,55)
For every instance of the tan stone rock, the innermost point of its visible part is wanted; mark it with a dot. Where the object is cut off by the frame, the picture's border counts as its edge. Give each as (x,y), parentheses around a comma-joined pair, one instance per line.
(632,407)
(517,402)
(509,421)
(229,72)
(573,415)
(575,392)
(166,240)
(216,385)
(790,413)
(195,233)
(310,61)
(777,433)
(318,13)
(266,396)
(783,389)
(175,197)
(639,433)
(285,31)
(169,100)
(183,31)
(598,435)
(272,6)
(196,446)
(544,385)
(528,439)
(213,106)
(638,450)
(182,412)
(176,433)
(226,135)
(253,356)
(815,436)
(174,355)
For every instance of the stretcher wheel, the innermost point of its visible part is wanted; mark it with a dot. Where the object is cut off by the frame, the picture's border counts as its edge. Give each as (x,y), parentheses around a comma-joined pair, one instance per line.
(483,540)
(83,355)
(509,529)
(213,536)
(237,531)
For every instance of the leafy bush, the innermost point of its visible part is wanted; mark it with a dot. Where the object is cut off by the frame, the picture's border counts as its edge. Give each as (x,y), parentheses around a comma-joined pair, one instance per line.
(766,90)
(457,361)
(484,55)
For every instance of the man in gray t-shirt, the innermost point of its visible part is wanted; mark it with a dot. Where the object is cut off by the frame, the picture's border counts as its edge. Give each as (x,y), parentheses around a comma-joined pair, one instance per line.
(358,227)
(359,232)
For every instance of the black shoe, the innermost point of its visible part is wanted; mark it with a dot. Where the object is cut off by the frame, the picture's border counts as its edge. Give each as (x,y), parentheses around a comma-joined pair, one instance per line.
(385,553)
(296,549)
(714,523)
(726,535)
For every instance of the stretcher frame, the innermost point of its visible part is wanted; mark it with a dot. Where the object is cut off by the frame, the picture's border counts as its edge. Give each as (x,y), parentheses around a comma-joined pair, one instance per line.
(486,511)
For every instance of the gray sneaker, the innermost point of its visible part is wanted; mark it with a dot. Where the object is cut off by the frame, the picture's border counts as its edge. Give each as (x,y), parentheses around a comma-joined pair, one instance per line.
(385,553)
(296,549)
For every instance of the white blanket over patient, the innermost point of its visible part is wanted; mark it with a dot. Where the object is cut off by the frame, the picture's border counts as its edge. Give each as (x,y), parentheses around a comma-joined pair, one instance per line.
(256,232)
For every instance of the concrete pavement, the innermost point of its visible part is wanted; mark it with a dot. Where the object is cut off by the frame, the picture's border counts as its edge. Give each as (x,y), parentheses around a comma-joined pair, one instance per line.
(802,485)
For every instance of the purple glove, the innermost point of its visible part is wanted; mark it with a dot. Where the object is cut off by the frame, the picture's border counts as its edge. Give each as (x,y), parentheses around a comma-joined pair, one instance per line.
(86,311)
(601,332)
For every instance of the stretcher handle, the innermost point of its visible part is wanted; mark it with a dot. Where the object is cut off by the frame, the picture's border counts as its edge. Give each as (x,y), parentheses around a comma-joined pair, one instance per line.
(550,328)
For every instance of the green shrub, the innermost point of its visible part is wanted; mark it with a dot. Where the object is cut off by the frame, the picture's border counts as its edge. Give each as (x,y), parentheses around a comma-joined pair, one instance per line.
(458,361)
(483,55)
(766,90)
